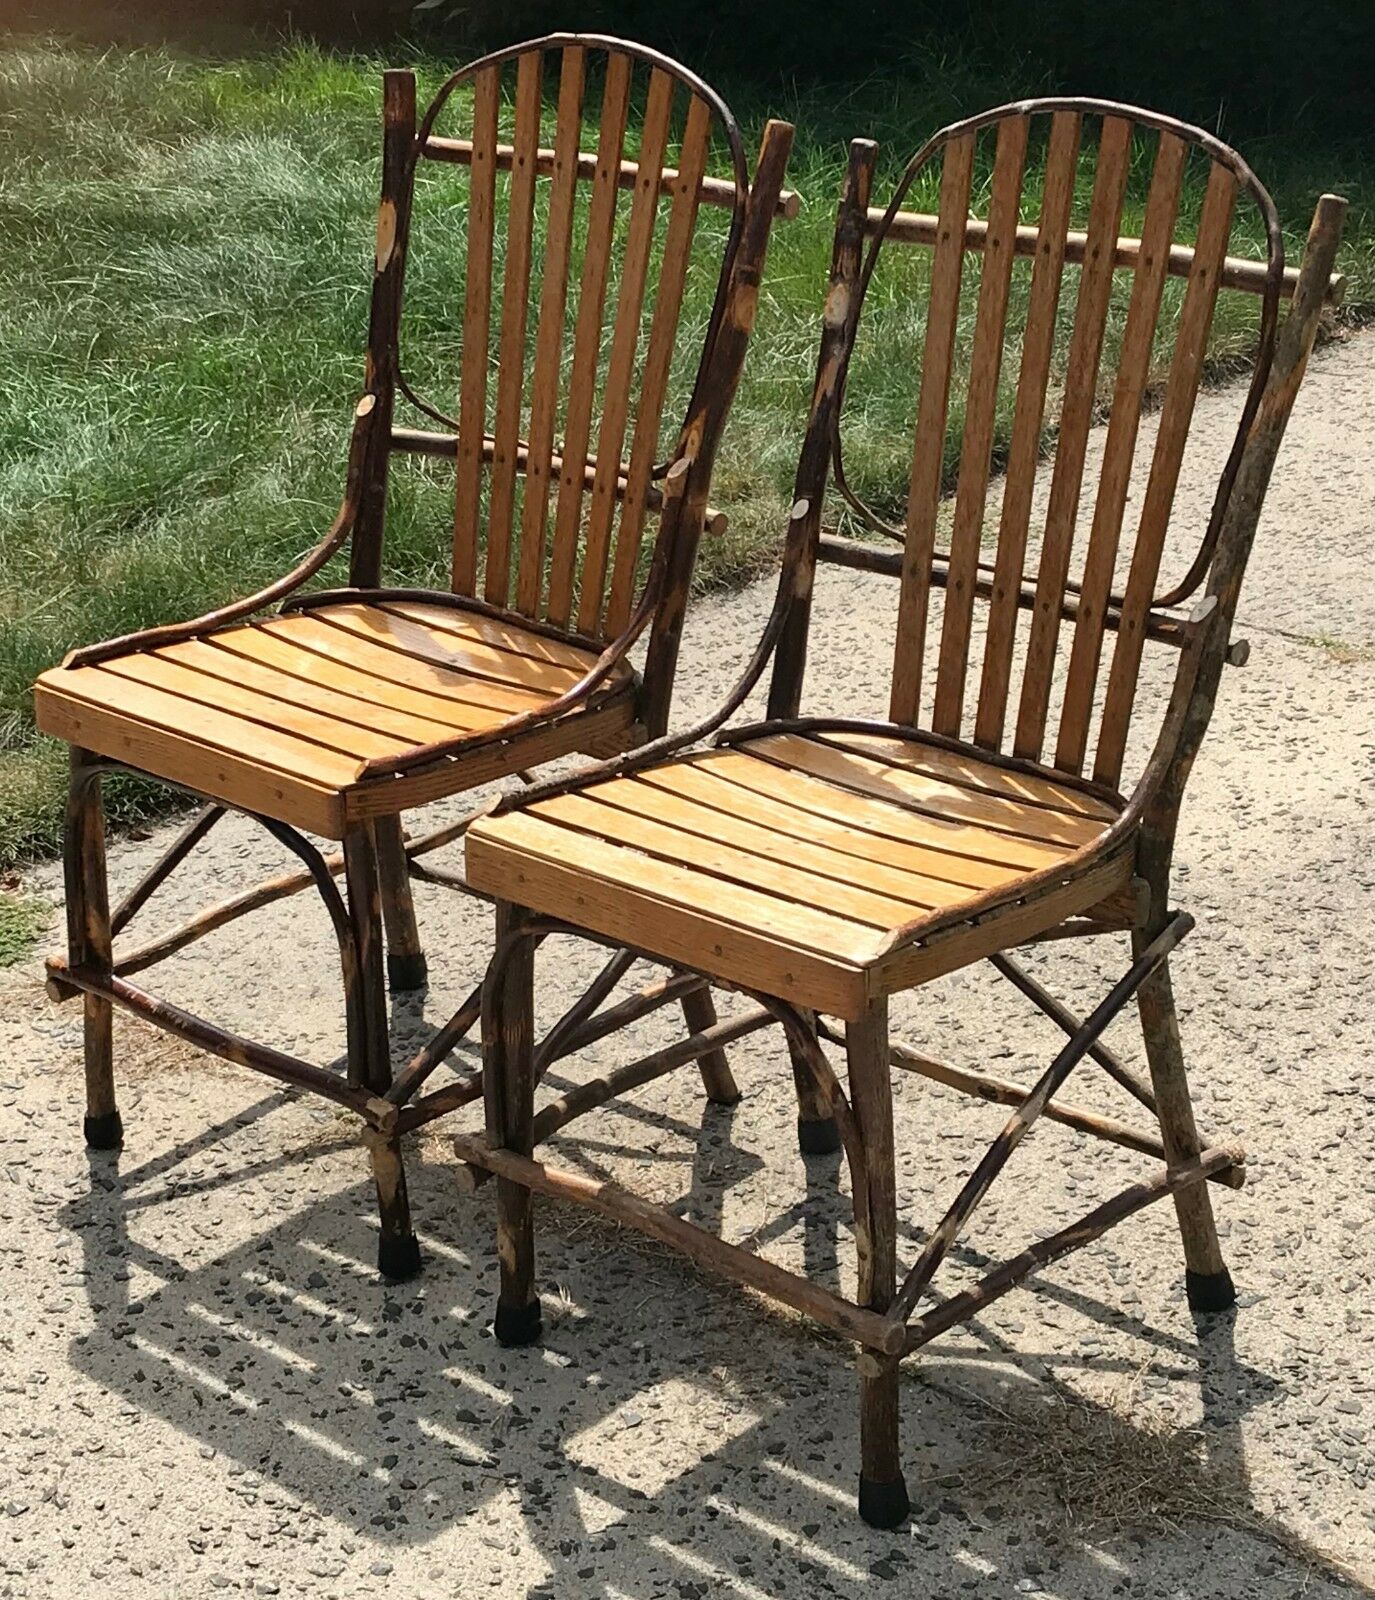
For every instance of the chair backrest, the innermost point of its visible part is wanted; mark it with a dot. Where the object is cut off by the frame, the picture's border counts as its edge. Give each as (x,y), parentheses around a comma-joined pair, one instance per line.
(595,177)
(1034,330)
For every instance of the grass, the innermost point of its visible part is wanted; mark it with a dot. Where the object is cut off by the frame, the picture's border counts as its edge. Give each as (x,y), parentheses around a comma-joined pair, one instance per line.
(23,918)
(185,251)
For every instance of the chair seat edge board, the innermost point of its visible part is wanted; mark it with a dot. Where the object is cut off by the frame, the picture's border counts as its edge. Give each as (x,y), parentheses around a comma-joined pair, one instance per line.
(817,885)
(332,712)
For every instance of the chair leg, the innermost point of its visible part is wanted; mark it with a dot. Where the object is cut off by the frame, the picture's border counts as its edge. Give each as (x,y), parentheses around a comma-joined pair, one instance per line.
(398,1251)
(817,1131)
(699,1012)
(883,1501)
(89,943)
(406,967)
(508,1050)
(1207,1281)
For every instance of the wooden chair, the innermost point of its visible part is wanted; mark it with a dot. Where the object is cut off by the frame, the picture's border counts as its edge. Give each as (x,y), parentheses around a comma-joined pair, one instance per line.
(347,707)
(822,865)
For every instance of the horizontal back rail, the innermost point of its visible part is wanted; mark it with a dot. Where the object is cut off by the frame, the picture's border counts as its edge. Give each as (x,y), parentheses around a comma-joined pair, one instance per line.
(710,191)
(1238,272)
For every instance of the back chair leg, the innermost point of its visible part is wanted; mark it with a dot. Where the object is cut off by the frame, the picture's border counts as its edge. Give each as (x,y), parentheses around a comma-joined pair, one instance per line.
(406,967)
(883,1501)
(509,1090)
(398,1250)
(817,1131)
(1206,1279)
(89,943)
(699,1012)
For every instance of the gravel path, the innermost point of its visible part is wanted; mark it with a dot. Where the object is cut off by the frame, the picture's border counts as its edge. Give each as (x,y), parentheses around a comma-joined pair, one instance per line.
(206,1388)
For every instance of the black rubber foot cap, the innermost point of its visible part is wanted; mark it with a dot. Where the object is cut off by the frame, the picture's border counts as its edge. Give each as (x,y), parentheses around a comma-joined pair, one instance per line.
(398,1256)
(104,1133)
(883,1505)
(405,973)
(1210,1291)
(517,1325)
(818,1138)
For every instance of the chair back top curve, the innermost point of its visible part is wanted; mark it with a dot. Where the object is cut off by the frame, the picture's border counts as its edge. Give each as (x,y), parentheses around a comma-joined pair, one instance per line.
(602,192)
(1010,497)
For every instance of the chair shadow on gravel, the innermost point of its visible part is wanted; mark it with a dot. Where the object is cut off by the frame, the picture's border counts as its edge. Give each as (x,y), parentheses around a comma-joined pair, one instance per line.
(669,1438)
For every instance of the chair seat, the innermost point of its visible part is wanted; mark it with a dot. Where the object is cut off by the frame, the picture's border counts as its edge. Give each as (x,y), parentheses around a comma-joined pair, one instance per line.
(280,716)
(787,863)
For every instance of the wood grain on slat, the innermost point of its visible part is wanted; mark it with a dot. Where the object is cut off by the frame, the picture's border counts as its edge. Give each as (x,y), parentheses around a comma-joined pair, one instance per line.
(587,339)
(855,830)
(976,447)
(624,345)
(515,294)
(547,376)
(685,799)
(499,632)
(1119,450)
(1186,369)
(712,855)
(477,312)
(152,740)
(1019,481)
(317,690)
(905,786)
(199,690)
(294,657)
(395,666)
(924,487)
(970,772)
(1076,416)
(965,843)
(679,914)
(644,447)
(426,642)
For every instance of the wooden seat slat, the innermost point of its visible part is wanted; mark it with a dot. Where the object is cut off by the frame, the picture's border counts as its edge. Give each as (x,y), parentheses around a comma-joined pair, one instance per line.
(720,855)
(358,710)
(905,786)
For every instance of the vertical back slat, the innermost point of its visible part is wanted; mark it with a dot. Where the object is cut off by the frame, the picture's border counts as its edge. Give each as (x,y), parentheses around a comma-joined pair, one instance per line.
(515,292)
(1081,382)
(692,165)
(1038,344)
(587,337)
(477,311)
(1119,450)
(546,378)
(923,495)
(980,414)
(624,344)
(1186,370)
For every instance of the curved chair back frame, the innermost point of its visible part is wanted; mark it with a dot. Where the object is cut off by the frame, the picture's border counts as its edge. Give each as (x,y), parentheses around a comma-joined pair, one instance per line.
(572,263)
(1044,614)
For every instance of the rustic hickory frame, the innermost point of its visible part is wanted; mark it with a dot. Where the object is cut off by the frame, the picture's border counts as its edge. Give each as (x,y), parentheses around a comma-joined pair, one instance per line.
(610,877)
(562,571)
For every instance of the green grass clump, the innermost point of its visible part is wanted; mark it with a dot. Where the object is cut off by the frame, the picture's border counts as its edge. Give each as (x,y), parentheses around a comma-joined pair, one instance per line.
(22,920)
(185,247)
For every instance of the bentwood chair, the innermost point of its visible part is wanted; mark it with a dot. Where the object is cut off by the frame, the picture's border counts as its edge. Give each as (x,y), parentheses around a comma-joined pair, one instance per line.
(346,707)
(822,865)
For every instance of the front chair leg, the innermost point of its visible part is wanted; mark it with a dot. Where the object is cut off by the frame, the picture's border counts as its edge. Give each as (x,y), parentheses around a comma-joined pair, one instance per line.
(398,1250)
(699,1012)
(89,943)
(508,1075)
(883,1501)
(1207,1281)
(406,967)
(818,1134)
